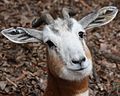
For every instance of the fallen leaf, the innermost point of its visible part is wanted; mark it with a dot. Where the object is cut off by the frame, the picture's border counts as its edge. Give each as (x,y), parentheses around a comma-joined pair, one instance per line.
(3,84)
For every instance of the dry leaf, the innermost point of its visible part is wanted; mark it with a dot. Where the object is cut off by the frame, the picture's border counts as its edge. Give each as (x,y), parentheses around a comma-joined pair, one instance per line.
(3,84)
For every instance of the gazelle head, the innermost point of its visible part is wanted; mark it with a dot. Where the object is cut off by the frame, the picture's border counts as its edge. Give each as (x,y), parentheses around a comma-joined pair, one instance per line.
(68,55)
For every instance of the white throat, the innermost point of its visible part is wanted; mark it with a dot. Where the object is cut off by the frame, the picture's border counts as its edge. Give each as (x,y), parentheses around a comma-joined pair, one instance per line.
(86,93)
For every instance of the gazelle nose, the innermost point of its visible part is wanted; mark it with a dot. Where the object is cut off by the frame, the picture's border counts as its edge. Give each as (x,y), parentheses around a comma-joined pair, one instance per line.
(79,61)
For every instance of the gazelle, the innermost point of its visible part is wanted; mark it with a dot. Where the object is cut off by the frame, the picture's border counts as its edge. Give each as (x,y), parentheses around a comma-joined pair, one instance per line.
(68,57)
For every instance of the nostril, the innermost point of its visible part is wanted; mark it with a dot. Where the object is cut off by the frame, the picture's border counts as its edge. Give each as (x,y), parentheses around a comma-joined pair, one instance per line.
(79,61)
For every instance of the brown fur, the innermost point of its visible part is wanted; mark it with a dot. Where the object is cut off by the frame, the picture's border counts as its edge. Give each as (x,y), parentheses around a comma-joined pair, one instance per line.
(59,87)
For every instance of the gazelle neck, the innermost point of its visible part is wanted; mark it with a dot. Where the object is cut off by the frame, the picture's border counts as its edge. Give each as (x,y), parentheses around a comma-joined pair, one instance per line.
(60,87)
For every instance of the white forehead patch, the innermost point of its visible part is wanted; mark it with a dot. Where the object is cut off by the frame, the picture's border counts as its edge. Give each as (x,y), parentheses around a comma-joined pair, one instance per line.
(76,27)
(61,27)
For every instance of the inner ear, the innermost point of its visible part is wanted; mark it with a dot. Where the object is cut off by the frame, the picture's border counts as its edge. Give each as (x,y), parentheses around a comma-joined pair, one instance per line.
(22,35)
(99,18)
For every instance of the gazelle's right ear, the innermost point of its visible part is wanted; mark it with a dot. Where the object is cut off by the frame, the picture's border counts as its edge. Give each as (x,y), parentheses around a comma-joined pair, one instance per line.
(22,35)
(99,18)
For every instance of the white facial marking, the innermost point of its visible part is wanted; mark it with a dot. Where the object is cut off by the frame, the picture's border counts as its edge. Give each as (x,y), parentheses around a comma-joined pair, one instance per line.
(70,47)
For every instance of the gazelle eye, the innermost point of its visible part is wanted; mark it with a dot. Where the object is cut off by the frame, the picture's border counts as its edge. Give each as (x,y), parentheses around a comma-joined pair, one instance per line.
(81,34)
(50,44)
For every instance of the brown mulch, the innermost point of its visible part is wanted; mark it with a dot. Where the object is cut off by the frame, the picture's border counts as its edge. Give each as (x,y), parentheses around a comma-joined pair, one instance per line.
(23,70)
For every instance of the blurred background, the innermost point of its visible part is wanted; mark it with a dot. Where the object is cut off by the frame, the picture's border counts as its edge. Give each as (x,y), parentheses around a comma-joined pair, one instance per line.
(23,70)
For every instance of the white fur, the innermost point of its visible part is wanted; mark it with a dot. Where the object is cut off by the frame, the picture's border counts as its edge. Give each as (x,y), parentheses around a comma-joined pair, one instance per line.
(76,75)
(86,93)
(70,47)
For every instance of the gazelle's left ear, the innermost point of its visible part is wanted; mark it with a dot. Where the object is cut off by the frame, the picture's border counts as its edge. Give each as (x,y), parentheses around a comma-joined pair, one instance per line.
(99,18)
(22,35)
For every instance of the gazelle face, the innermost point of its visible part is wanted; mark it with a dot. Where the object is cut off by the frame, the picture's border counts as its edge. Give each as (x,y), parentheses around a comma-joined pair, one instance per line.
(68,56)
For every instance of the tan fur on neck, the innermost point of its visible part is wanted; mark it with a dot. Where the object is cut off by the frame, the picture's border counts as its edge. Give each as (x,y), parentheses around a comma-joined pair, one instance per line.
(59,87)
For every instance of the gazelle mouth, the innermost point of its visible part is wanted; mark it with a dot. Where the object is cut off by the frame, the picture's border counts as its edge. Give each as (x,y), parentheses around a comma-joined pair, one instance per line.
(80,69)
